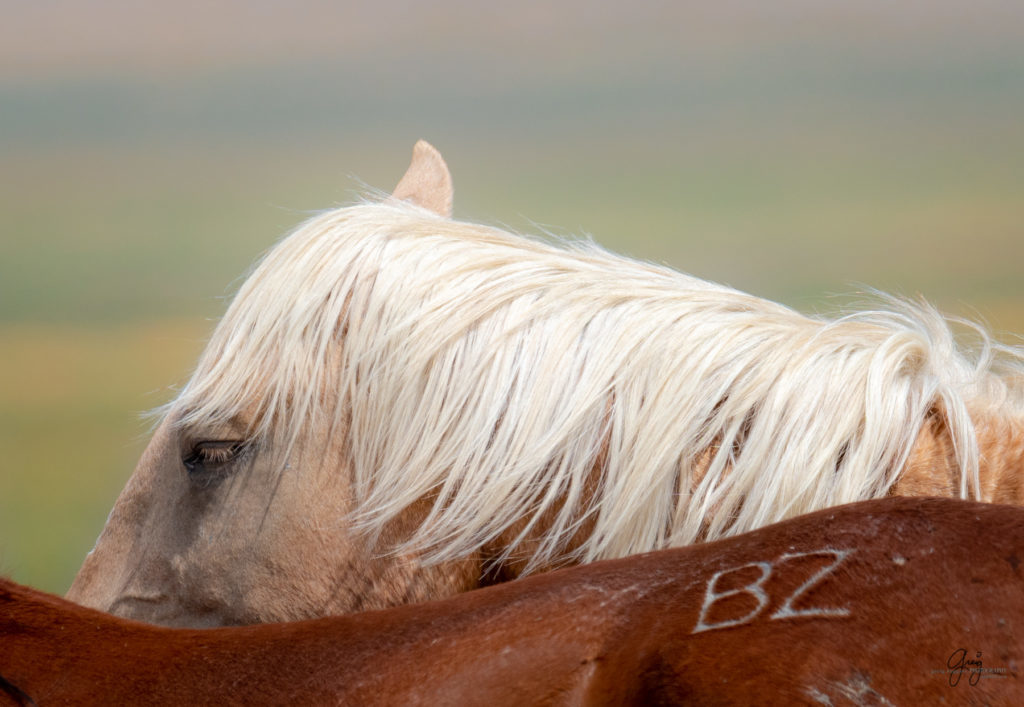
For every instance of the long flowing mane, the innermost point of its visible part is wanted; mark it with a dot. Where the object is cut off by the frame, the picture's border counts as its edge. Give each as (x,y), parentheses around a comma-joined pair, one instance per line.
(506,378)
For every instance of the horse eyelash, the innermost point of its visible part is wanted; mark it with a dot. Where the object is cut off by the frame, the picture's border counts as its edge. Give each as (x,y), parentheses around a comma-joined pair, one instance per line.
(218,455)
(213,454)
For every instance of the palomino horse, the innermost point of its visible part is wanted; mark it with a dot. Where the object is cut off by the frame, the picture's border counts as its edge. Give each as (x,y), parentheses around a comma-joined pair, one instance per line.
(890,601)
(399,407)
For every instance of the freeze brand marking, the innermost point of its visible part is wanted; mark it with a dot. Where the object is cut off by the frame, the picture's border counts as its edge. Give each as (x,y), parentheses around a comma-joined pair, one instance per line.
(788,610)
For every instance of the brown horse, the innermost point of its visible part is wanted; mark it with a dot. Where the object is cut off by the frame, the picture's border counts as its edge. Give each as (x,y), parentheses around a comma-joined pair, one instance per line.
(399,407)
(891,601)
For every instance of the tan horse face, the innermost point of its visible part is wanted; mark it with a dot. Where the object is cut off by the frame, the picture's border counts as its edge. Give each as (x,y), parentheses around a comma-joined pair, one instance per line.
(204,536)
(205,545)
(209,532)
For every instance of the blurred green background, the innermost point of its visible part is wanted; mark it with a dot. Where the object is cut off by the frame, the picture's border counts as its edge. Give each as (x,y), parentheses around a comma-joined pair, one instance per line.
(149,153)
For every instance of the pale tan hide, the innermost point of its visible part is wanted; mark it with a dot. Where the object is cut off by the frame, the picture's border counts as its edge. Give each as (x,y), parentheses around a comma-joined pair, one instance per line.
(932,471)
(266,544)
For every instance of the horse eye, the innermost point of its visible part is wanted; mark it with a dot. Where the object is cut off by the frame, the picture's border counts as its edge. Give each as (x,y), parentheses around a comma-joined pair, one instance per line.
(207,461)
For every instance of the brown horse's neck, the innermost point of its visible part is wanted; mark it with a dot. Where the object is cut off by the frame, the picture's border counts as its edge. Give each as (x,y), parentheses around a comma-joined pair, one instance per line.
(933,469)
(25,611)
(52,647)
(27,624)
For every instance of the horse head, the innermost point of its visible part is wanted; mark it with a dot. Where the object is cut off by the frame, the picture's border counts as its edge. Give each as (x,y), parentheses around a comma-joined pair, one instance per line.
(398,407)
(225,512)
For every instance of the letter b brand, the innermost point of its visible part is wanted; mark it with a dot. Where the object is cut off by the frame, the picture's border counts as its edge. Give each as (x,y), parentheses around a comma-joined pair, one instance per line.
(754,589)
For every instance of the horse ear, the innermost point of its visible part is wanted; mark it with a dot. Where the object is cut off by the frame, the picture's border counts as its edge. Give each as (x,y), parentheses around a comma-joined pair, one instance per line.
(427,182)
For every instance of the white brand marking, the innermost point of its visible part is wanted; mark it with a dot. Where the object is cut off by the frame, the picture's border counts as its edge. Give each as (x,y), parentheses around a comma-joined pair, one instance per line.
(756,590)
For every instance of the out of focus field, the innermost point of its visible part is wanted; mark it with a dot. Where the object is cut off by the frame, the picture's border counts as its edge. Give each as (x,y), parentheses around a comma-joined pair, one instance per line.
(800,159)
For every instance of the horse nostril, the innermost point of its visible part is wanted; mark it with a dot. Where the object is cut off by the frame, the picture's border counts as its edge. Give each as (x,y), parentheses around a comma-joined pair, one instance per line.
(141,607)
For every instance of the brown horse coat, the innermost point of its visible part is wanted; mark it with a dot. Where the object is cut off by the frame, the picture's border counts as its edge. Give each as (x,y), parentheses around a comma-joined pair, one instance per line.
(891,601)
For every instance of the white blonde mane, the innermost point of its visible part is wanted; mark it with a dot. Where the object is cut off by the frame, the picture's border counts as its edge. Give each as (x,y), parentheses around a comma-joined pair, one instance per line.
(495,374)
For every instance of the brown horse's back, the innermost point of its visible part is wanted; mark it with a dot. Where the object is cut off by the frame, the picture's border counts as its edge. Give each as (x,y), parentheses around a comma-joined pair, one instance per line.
(893,601)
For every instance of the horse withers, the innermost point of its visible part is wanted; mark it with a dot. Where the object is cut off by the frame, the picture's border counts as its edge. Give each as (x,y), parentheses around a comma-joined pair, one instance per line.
(882,602)
(399,407)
